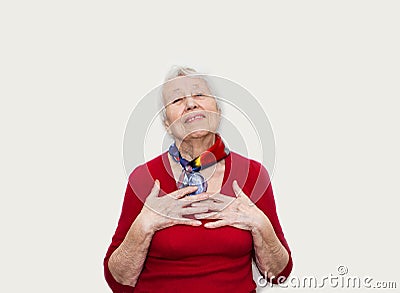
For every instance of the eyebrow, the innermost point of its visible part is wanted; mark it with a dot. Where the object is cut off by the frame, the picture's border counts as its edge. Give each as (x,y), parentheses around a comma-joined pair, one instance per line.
(194,86)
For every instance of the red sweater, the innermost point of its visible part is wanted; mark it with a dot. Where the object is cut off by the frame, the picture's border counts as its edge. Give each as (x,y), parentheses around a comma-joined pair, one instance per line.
(183,258)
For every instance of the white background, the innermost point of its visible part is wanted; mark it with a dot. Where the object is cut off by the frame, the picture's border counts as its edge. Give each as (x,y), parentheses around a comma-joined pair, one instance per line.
(326,72)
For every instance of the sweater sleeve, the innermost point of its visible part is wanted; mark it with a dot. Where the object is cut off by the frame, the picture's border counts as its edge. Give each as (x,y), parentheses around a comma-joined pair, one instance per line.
(266,203)
(130,209)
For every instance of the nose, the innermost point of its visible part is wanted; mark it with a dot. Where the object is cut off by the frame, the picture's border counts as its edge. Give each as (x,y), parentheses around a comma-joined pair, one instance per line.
(190,103)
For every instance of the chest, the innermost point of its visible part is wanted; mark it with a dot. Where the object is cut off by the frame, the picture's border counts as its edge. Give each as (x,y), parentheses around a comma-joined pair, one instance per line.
(181,241)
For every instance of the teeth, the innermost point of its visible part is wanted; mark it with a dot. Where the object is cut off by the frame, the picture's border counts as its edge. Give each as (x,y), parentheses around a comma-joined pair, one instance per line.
(195,117)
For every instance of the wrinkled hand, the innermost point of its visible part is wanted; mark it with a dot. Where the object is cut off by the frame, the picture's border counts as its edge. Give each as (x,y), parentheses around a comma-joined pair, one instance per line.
(169,210)
(239,212)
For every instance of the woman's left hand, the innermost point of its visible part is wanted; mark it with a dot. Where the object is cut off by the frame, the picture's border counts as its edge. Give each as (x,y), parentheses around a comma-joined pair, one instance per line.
(270,255)
(239,212)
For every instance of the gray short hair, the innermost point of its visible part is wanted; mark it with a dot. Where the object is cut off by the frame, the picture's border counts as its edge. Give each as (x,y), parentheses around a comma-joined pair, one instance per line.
(177,71)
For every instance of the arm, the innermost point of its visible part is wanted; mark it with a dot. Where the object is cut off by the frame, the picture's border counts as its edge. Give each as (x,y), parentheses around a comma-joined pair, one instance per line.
(270,255)
(126,256)
(131,208)
(126,262)
(271,251)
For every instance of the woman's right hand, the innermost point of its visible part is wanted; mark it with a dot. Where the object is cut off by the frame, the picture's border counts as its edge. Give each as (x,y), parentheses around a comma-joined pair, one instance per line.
(169,210)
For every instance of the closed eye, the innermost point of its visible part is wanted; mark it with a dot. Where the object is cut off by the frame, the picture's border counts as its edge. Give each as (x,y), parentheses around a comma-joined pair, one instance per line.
(199,95)
(176,100)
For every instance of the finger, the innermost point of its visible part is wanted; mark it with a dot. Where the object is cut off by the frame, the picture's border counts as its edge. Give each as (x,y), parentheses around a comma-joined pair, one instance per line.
(217,205)
(184,191)
(236,189)
(196,197)
(201,204)
(221,198)
(239,192)
(215,195)
(156,189)
(220,203)
(211,215)
(206,203)
(194,210)
(216,224)
(186,221)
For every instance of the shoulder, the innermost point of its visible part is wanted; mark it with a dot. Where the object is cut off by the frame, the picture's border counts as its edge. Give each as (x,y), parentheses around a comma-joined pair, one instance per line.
(252,167)
(147,168)
(142,178)
(251,175)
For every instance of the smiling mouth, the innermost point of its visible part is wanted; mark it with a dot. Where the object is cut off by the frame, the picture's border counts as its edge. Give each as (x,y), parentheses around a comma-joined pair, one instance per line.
(194,118)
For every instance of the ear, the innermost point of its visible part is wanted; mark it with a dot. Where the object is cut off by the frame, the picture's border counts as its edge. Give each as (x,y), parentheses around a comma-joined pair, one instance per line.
(167,126)
(219,110)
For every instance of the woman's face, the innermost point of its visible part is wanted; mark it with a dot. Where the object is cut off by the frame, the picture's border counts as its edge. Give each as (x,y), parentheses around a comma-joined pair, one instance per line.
(191,111)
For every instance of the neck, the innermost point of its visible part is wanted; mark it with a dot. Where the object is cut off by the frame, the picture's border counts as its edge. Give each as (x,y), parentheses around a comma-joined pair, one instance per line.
(191,148)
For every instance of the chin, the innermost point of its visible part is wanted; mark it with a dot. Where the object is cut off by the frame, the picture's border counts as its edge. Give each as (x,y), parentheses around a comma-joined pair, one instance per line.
(196,134)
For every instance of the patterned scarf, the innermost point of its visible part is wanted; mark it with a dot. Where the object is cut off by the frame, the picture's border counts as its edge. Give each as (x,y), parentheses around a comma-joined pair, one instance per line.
(190,169)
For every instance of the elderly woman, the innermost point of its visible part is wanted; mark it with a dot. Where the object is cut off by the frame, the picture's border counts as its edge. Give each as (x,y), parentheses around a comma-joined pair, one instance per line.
(198,229)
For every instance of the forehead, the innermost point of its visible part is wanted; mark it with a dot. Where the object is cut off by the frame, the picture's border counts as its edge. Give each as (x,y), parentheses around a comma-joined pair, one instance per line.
(184,85)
